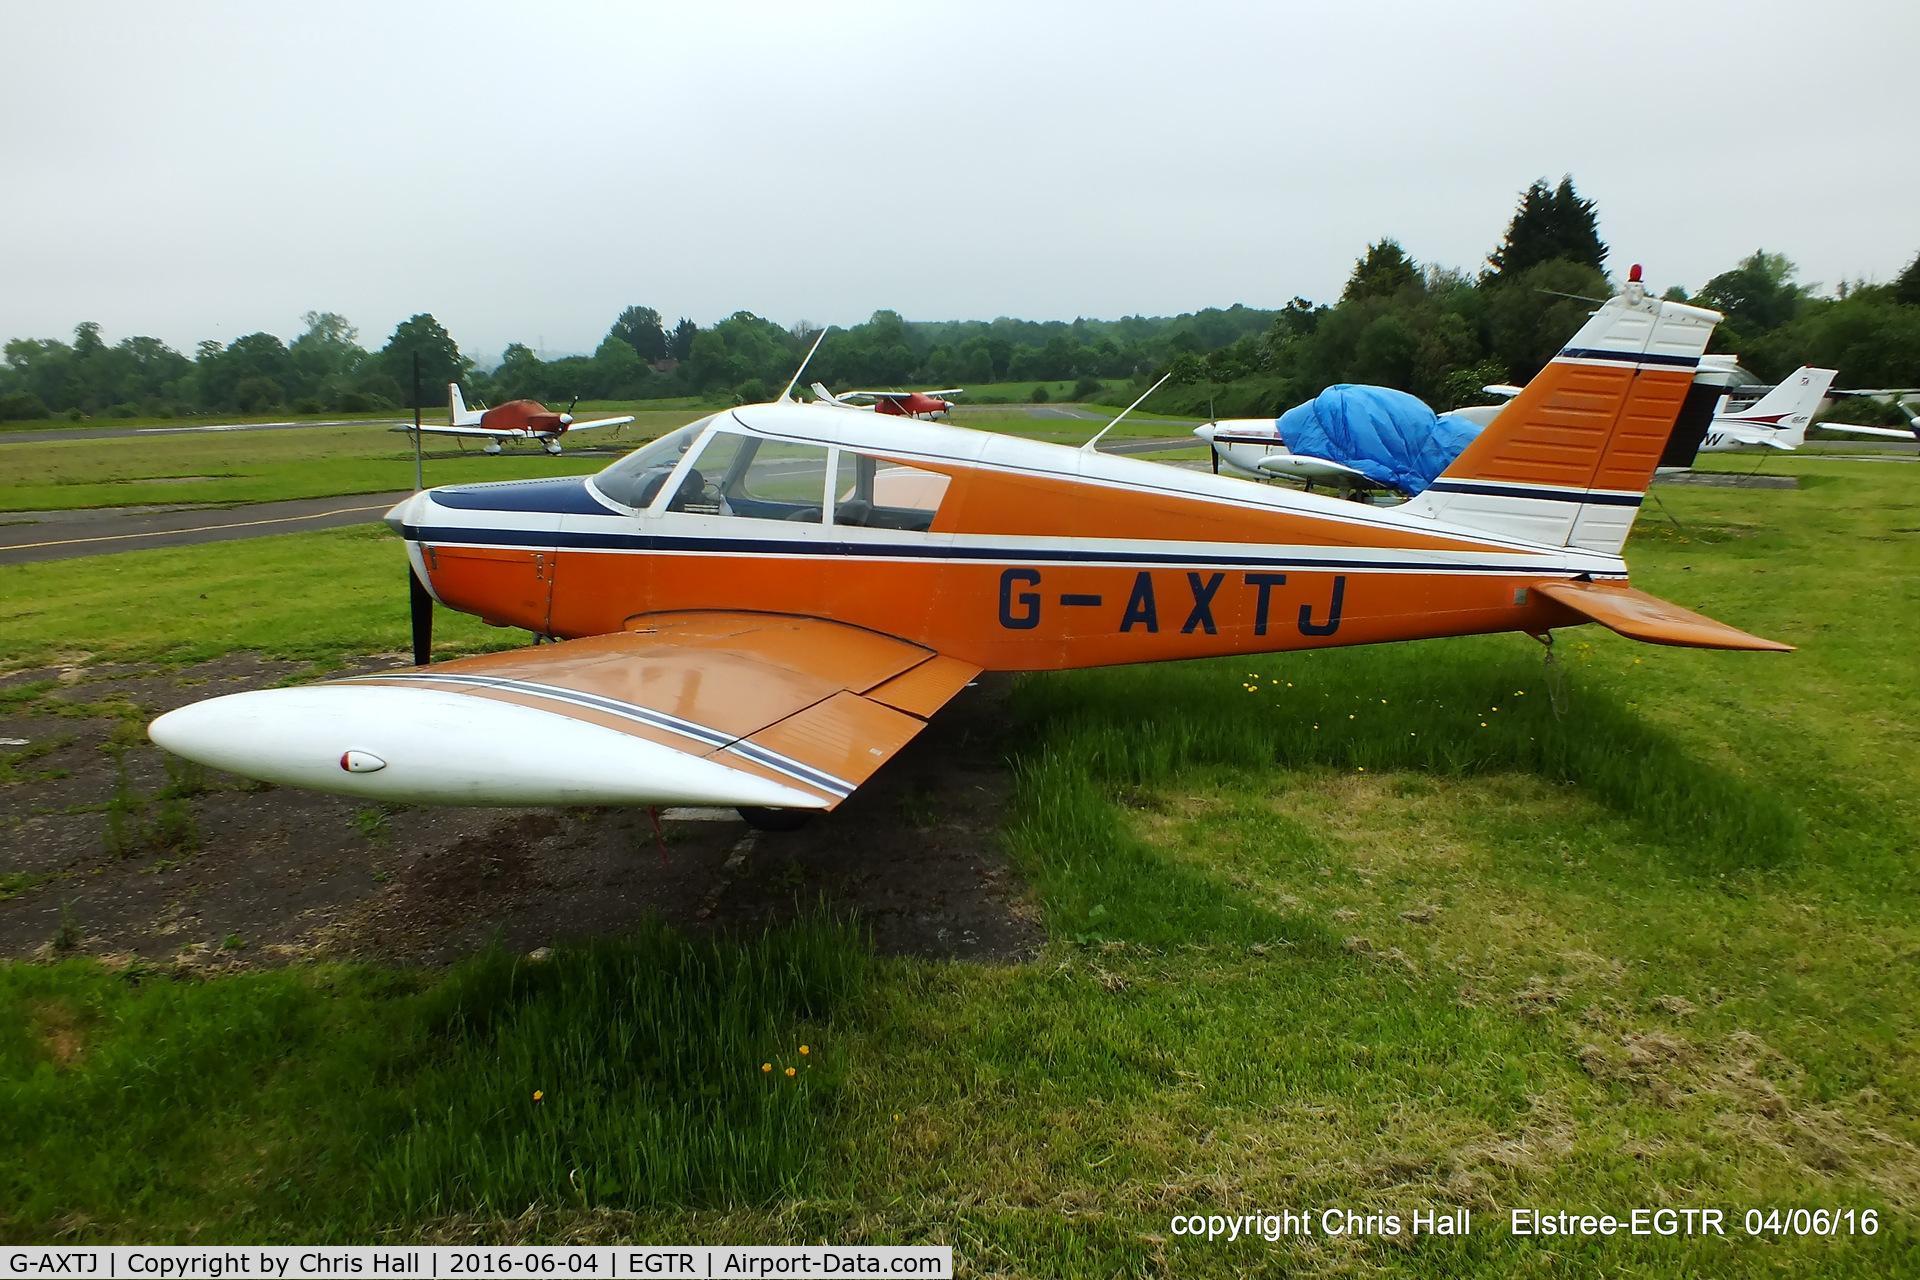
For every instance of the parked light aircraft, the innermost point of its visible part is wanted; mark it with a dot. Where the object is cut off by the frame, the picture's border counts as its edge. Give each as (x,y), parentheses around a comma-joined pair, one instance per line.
(1253,446)
(894,404)
(514,420)
(760,609)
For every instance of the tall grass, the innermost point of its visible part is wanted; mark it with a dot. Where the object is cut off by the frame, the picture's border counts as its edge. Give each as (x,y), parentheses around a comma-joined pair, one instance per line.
(1454,708)
(650,1058)
(326,1102)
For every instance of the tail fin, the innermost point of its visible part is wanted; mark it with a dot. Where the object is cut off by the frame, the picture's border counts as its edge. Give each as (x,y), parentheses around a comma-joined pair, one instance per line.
(462,416)
(1789,408)
(1568,461)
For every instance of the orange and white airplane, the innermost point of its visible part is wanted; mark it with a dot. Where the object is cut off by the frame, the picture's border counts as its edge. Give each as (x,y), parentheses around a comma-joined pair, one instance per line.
(760,609)
(514,420)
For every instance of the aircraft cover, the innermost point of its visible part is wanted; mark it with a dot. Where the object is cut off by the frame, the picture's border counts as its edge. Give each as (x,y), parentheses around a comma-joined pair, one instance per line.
(1386,435)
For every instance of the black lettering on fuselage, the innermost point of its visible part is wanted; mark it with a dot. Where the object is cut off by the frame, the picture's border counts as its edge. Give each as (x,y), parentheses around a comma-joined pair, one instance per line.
(1140,606)
(1202,615)
(1266,582)
(1029,601)
(1307,625)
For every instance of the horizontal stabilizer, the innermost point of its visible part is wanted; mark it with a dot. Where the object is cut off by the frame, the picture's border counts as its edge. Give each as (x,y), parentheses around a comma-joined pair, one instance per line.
(1639,616)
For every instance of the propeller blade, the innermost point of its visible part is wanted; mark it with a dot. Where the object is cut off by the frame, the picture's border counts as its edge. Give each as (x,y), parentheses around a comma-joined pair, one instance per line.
(422,601)
(1216,458)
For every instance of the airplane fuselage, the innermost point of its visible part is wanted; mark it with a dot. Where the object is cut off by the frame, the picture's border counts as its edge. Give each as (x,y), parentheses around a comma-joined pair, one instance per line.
(1034,557)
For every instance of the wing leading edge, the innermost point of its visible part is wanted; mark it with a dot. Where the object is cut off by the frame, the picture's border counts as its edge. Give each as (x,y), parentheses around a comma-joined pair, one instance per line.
(687,708)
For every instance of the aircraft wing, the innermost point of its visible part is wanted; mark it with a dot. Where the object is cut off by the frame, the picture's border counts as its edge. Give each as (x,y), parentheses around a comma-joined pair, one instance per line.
(701,708)
(1639,616)
(1892,433)
(484,433)
(1282,463)
(1740,434)
(600,422)
(902,395)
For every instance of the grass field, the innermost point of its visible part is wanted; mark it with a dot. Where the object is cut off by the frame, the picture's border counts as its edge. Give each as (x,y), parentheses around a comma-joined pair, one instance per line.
(1373,929)
(266,466)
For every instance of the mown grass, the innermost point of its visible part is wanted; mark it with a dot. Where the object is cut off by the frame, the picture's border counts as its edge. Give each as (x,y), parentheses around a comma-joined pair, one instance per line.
(1658,952)
(311,596)
(269,466)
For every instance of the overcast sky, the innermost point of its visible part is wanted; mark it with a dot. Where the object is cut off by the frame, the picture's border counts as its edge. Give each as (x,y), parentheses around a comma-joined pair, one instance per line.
(524,171)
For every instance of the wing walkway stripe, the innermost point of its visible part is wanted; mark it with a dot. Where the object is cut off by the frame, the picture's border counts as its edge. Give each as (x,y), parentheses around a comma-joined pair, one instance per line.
(792,768)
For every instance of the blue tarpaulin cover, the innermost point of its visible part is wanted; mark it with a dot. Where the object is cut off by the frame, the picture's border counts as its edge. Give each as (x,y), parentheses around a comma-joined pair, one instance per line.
(1386,435)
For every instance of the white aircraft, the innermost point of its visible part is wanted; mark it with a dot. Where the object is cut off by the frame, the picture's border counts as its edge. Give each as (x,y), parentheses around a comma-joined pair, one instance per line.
(1780,418)
(514,420)
(1252,446)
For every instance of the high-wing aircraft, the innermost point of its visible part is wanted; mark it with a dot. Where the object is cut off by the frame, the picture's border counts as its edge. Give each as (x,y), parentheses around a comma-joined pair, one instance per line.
(760,609)
(514,420)
(894,404)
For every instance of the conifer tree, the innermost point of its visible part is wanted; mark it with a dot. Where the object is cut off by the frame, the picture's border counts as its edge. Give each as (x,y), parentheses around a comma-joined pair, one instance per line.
(1549,225)
(1382,273)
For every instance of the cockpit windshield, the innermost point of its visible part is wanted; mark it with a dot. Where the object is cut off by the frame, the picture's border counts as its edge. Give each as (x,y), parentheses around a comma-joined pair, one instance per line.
(636,479)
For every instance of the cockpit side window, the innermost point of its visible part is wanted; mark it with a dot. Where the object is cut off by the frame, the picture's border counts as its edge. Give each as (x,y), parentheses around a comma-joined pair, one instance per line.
(776,480)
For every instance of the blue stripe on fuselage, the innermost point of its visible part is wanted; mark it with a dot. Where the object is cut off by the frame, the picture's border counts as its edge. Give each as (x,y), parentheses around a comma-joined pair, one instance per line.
(776,547)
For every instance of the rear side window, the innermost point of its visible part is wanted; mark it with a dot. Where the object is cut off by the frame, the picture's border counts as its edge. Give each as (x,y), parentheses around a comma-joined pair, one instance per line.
(873,493)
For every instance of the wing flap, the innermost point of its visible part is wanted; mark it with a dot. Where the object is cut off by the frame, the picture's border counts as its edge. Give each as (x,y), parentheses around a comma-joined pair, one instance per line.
(927,687)
(1639,616)
(840,741)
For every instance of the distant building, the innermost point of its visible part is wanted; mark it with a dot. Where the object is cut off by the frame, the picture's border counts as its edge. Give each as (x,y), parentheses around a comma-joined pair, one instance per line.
(667,365)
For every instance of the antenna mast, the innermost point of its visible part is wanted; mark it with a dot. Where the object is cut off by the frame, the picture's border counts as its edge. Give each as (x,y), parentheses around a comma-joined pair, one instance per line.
(793,381)
(1088,446)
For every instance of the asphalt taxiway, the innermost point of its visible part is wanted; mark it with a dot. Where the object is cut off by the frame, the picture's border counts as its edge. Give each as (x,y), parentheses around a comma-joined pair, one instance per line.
(30,536)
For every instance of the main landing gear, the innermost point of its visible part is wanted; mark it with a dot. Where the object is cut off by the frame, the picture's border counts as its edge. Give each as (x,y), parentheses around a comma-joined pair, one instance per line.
(775,819)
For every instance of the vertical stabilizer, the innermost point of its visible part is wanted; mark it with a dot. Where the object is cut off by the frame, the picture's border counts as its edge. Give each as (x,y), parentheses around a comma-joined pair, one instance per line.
(462,416)
(1789,408)
(1569,459)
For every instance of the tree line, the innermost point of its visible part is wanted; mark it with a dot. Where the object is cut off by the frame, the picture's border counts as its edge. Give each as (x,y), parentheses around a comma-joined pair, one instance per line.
(1443,334)
(1437,332)
(740,359)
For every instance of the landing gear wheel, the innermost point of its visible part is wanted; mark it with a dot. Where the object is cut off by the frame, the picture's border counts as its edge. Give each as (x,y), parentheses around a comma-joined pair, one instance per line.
(774,819)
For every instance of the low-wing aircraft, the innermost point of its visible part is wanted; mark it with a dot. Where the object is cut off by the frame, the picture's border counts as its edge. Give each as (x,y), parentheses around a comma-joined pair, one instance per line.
(1902,398)
(1253,446)
(514,420)
(762,608)
(893,404)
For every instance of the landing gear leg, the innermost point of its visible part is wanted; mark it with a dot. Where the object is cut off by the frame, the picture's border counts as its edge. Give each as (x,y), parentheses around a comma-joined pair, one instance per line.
(775,819)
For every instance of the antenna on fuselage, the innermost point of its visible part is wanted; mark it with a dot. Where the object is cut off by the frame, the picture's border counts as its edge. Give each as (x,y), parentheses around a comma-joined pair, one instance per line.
(1088,446)
(791,382)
